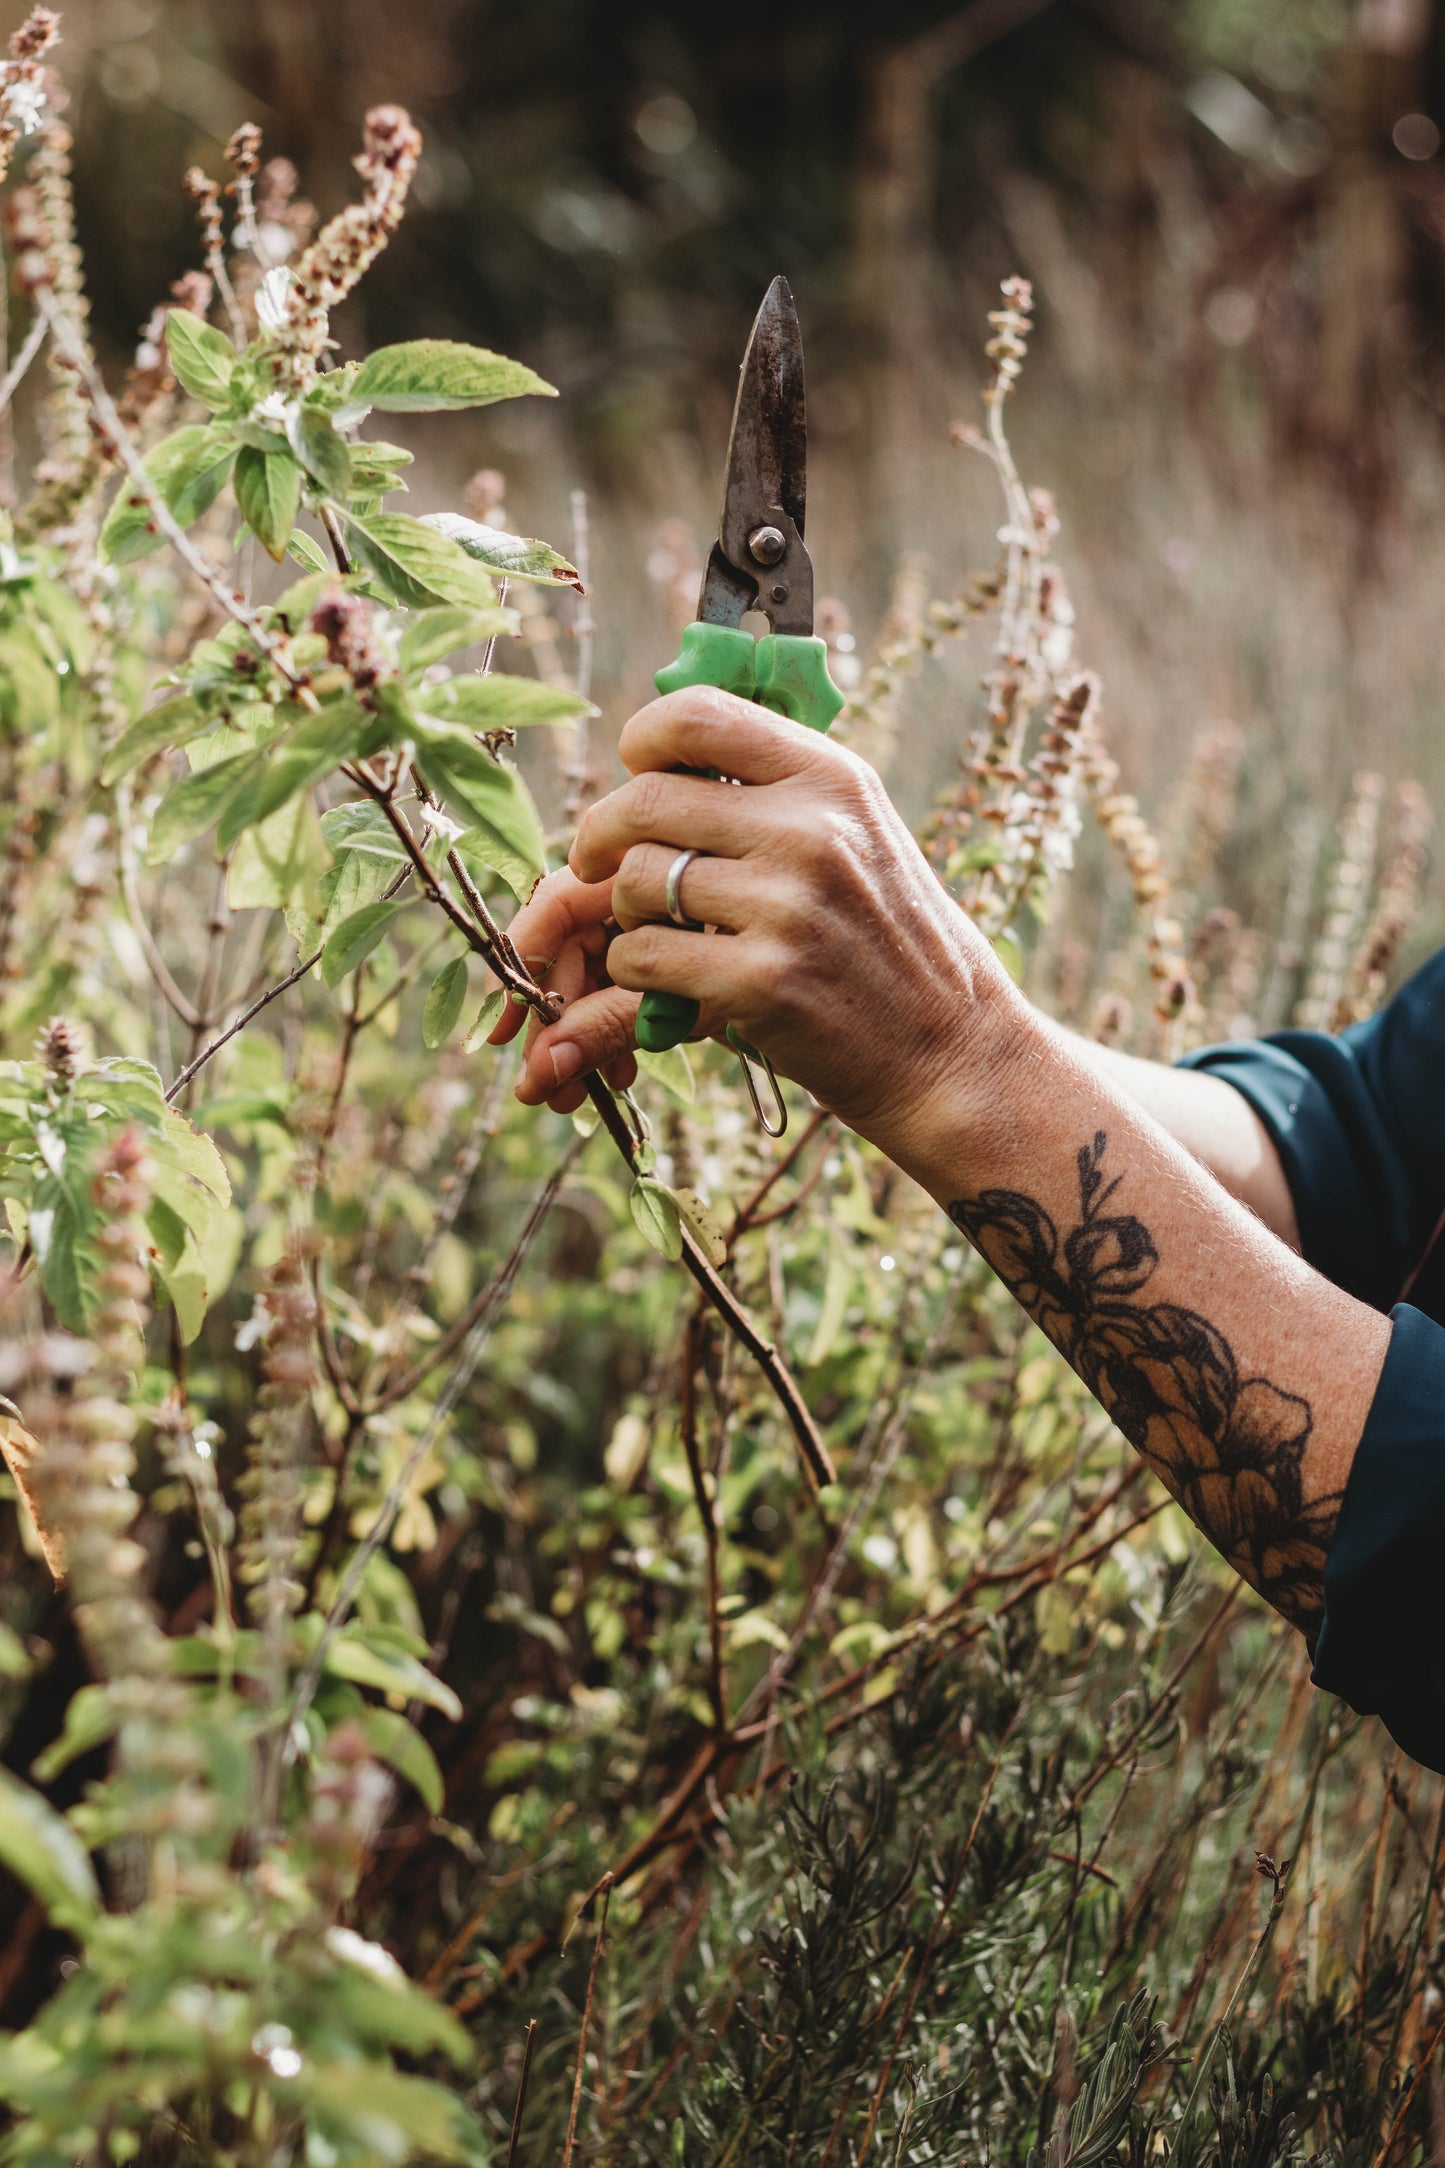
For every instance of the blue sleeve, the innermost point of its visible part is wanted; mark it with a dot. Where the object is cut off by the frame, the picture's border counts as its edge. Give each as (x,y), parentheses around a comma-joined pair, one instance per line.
(1382,1645)
(1357,1123)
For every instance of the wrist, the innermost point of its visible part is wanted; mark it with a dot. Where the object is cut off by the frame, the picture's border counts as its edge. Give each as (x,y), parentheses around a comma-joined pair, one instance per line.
(960,1079)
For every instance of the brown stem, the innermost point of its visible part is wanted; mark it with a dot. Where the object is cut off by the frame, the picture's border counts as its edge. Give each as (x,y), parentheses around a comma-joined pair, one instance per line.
(521,2093)
(606,1893)
(707,1514)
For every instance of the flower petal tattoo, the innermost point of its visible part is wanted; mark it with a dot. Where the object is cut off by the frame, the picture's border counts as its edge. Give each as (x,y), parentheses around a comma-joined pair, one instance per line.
(1229,1448)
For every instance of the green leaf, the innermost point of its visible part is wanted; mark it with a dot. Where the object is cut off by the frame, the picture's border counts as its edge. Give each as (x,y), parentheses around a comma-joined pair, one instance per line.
(55,1237)
(197,802)
(268,490)
(185,1282)
(672,1070)
(484,1019)
(701,1225)
(513,556)
(444,1002)
(385,2115)
(305,552)
(197,479)
(417,566)
(128,533)
(29,688)
(359,825)
(354,940)
(505,831)
(376,469)
(304,758)
(203,358)
(498,701)
(321,451)
(393,1673)
(655,1210)
(435,634)
(191,1152)
(43,1850)
(429,376)
(837,1290)
(174,723)
(277,861)
(400,1744)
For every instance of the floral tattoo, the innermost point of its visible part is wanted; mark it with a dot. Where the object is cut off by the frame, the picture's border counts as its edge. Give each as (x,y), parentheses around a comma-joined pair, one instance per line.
(1229,1448)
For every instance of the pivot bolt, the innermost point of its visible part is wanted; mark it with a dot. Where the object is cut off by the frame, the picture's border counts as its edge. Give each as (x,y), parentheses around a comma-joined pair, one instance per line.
(767,544)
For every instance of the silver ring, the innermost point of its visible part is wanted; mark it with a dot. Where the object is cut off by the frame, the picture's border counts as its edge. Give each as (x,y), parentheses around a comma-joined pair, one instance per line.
(673,892)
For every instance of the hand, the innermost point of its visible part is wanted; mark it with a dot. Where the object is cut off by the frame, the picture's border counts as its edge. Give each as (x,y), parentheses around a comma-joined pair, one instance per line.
(843,958)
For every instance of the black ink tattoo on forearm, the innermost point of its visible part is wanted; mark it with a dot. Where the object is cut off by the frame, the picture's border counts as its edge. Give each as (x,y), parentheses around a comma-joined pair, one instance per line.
(1229,1448)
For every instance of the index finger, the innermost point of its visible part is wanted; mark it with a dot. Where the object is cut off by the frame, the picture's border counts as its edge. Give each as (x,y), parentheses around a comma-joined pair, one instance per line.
(711,730)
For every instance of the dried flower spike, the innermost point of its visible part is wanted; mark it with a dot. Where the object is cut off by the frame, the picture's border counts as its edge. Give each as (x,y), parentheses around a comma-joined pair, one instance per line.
(348,244)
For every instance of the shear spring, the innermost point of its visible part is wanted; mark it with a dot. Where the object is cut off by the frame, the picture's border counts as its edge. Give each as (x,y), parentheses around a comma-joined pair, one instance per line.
(749,1058)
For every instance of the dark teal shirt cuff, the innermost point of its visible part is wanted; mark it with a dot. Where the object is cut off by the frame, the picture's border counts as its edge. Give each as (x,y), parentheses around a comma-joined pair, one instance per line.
(1382,1645)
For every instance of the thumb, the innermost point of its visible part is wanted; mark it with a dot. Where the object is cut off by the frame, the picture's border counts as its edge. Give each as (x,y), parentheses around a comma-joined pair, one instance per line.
(592,1033)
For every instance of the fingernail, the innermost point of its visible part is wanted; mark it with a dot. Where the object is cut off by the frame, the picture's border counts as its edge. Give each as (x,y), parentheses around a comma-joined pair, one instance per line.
(566,1062)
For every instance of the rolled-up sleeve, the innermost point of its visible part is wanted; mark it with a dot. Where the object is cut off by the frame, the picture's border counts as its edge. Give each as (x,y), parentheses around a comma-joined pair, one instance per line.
(1357,1122)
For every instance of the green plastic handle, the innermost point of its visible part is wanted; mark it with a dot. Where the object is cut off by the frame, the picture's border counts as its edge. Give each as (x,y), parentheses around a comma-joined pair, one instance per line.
(719,655)
(793,679)
(783,671)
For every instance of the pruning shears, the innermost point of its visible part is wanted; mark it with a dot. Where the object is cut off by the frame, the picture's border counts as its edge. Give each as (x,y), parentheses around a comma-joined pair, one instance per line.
(758,563)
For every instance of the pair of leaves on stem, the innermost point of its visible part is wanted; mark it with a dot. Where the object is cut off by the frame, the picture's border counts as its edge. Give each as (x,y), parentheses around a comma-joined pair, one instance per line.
(279,452)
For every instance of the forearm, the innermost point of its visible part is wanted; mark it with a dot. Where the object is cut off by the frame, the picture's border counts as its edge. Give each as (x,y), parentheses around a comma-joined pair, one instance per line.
(1241,1375)
(1215,1124)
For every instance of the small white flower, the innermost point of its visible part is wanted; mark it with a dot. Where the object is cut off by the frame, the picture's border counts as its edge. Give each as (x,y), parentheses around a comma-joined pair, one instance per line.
(271,409)
(273,297)
(354,1949)
(24,103)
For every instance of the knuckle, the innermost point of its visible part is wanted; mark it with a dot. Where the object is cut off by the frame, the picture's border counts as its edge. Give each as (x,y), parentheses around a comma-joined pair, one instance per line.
(647,793)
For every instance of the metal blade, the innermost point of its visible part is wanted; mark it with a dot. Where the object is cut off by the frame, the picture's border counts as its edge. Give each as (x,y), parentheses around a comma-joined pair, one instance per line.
(767,482)
(768,453)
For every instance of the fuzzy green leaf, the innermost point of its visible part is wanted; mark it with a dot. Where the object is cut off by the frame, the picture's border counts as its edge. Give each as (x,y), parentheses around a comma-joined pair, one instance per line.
(197,802)
(430,376)
(174,723)
(655,1210)
(444,1002)
(418,567)
(268,490)
(484,1020)
(394,1673)
(505,831)
(361,826)
(203,358)
(435,634)
(402,1746)
(90,1719)
(42,1849)
(304,758)
(199,476)
(511,556)
(321,451)
(498,701)
(176,467)
(354,940)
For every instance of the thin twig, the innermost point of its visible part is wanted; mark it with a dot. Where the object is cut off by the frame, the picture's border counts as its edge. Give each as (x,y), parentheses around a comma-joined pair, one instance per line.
(521,2093)
(10,382)
(606,1895)
(240,1022)
(400,1489)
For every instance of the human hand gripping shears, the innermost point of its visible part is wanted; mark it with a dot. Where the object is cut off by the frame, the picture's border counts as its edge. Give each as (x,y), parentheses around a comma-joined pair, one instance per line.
(758,563)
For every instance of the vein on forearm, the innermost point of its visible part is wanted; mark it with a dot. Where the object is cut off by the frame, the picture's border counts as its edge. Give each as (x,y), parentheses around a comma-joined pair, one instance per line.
(1229,1446)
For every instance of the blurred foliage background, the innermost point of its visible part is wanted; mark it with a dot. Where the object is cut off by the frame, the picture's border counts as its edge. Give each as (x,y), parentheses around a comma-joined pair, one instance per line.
(1233,217)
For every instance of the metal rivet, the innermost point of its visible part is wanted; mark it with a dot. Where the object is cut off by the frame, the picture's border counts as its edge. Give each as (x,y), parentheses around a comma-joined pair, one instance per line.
(767,544)
(779,593)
